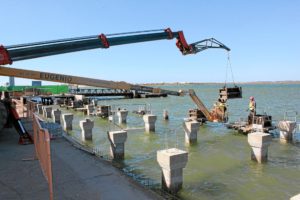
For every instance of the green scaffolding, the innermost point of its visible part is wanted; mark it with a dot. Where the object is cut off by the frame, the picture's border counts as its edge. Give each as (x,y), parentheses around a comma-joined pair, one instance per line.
(54,89)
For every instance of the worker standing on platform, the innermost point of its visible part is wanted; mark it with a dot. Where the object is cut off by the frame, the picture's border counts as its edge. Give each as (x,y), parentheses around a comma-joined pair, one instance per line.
(221,104)
(252,109)
(219,110)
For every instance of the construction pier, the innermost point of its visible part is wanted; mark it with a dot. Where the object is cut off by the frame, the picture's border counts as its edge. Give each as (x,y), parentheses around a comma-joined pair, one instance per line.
(76,174)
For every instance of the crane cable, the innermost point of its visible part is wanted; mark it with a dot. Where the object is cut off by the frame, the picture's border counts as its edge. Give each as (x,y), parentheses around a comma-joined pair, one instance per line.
(229,66)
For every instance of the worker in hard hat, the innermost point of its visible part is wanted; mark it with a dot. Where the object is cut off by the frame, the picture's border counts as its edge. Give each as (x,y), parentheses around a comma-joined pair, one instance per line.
(222,105)
(220,109)
(252,109)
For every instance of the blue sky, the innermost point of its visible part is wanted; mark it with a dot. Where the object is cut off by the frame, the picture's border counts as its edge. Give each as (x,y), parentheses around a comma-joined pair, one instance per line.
(264,38)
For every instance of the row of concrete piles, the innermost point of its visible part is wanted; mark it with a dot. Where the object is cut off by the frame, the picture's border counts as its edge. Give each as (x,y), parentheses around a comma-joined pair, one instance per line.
(122,115)
(172,161)
(48,112)
(258,141)
(116,138)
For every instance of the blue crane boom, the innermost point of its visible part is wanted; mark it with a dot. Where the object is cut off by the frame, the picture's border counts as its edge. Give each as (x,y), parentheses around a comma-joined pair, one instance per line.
(9,54)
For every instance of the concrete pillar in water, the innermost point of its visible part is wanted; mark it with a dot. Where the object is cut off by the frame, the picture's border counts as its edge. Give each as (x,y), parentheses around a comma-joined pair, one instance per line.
(47,111)
(56,116)
(104,111)
(166,115)
(149,122)
(122,115)
(259,143)
(90,109)
(111,118)
(94,102)
(297,197)
(191,129)
(79,97)
(67,119)
(86,126)
(287,129)
(172,161)
(117,140)
(40,108)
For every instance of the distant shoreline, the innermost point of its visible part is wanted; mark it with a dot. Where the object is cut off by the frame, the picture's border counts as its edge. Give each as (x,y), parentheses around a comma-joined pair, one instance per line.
(220,83)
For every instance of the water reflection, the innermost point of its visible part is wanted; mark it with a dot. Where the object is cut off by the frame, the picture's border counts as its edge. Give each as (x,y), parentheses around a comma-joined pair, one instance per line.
(256,169)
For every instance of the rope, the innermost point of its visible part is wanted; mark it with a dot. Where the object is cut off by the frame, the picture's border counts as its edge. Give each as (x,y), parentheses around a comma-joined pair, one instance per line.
(229,66)
(226,73)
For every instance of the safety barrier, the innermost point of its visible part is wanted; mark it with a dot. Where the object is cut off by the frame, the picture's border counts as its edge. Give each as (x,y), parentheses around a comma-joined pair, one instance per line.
(42,150)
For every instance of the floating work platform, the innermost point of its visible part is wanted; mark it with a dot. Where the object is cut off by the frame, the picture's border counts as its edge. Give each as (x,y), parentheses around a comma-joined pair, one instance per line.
(243,127)
(260,122)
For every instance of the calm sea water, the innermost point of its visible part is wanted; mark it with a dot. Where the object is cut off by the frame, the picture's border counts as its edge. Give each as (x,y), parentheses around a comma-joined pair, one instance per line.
(219,165)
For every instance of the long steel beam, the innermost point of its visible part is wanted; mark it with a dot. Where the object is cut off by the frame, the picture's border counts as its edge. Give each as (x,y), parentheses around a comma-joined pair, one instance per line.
(62,78)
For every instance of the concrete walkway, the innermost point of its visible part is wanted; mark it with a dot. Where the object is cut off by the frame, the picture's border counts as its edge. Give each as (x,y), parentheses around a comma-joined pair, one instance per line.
(76,174)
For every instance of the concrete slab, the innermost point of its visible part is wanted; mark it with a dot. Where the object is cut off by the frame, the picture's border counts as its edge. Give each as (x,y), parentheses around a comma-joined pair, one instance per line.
(19,179)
